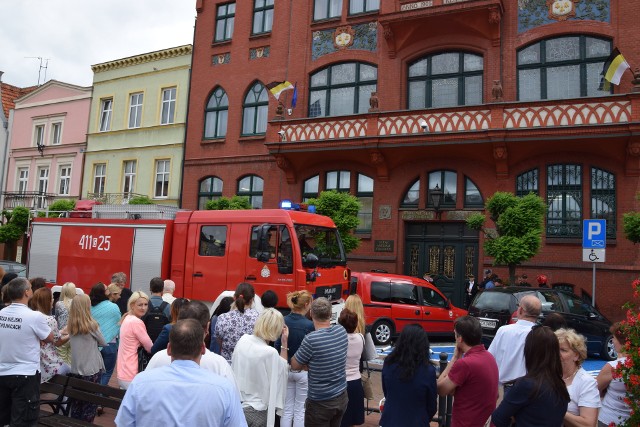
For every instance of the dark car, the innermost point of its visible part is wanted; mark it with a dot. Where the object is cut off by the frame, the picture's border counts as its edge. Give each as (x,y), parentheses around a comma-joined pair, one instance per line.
(498,306)
(14,267)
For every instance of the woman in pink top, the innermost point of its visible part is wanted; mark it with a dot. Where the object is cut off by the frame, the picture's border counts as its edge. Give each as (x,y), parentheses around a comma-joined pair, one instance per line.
(133,334)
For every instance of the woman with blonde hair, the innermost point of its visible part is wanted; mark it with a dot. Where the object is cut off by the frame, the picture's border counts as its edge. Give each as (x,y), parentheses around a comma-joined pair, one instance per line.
(261,373)
(354,303)
(582,387)
(297,382)
(61,312)
(86,361)
(50,362)
(113,292)
(133,334)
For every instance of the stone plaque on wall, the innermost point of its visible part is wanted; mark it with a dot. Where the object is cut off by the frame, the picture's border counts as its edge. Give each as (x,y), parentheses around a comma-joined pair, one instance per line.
(417,215)
(383,245)
(384,212)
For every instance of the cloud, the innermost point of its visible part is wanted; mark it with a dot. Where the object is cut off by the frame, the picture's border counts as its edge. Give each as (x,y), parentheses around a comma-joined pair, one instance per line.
(75,34)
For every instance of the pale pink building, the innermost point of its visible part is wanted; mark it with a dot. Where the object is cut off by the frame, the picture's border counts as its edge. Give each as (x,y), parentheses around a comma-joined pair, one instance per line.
(47,141)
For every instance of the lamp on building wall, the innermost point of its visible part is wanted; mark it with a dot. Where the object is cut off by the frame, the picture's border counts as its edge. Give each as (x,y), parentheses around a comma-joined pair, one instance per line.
(436,198)
(40,147)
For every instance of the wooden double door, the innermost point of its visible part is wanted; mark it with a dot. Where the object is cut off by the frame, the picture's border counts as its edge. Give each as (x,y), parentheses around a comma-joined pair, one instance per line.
(446,250)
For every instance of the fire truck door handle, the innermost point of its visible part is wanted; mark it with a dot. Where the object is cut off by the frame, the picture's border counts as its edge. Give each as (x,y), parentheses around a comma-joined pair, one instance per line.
(198,274)
(417,312)
(250,278)
(427,312)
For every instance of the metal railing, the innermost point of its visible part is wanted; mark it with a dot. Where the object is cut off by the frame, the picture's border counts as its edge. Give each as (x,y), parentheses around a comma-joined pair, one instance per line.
(30,199)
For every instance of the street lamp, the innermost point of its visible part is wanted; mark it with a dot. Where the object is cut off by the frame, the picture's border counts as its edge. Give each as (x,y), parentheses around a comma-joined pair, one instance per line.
(436,198)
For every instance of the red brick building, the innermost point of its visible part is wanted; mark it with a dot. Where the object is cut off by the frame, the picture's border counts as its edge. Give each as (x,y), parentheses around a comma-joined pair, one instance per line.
(471,96)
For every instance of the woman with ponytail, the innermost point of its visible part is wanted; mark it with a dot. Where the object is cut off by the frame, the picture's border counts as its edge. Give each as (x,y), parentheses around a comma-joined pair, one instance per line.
(239,321)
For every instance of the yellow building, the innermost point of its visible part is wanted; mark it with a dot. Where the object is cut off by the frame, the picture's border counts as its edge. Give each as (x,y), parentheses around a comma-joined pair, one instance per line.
(136,127)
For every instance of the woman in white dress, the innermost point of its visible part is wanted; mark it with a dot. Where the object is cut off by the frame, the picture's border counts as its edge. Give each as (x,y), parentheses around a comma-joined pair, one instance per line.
(583,389)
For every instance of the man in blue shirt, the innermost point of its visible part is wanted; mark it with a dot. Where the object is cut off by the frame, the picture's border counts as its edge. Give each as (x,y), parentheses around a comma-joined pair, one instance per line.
(181,393)
(324,352)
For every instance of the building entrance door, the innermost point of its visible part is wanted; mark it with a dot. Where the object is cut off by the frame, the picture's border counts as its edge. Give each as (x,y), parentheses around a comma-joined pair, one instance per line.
(447,250)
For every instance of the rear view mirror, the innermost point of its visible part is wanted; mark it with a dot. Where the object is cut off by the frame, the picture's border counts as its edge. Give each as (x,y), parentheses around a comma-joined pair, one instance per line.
(310,261)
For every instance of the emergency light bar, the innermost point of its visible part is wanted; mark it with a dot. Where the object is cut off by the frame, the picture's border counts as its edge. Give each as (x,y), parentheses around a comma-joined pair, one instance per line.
(288,205)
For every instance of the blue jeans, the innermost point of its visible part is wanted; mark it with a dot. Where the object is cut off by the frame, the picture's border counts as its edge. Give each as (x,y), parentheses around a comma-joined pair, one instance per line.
(109,356)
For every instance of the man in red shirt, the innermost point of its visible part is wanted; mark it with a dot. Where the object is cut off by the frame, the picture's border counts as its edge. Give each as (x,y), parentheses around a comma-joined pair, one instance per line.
(471,375)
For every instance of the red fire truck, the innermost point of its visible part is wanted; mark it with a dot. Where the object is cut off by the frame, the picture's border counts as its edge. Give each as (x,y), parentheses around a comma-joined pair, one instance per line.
(204,252)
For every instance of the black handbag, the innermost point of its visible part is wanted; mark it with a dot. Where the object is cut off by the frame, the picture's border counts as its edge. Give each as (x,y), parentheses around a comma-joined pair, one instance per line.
(143,359)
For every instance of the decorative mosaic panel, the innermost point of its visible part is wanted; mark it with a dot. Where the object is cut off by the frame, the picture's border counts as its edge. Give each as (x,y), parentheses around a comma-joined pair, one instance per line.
(365,38)
(534,13)
(260,52)
(223,58)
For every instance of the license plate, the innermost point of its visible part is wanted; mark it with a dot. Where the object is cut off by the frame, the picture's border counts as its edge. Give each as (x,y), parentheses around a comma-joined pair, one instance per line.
(488,323)
(329,292)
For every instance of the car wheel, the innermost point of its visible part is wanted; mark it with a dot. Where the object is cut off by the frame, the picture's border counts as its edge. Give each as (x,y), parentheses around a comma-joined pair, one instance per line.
(382,331)
(608,350)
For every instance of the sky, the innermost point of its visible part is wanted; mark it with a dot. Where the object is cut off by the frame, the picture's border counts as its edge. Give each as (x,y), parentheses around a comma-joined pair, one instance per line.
(75,34)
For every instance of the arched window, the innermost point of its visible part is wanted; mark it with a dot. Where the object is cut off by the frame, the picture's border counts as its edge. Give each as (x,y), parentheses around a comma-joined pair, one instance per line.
(564,200)
(209,188)
(251,186)
(342,89)
(412,196)
(339,181)
(446,181)
(561,68)
(310,188)
(445,80)
(254,110)
(603,198)
(472,196)
(216,113)
(527,182)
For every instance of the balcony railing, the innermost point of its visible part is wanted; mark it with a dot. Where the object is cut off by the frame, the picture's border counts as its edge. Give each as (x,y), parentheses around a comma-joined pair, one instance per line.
(31,199)
(504,116)
(113,198)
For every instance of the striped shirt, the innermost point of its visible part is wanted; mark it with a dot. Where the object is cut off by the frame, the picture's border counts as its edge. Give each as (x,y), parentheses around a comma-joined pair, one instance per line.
(325,352)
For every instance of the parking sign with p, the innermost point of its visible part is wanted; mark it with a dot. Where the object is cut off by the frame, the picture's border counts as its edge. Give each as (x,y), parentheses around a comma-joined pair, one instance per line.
(594,240)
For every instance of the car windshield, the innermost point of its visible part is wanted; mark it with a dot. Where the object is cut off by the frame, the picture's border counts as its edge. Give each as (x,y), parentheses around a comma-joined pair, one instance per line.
(323,242)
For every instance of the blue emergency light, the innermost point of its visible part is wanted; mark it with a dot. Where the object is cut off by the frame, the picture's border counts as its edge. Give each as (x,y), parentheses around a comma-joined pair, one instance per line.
(288,205)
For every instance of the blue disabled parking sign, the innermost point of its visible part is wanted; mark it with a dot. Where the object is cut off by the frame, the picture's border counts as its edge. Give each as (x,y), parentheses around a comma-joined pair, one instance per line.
(594,240)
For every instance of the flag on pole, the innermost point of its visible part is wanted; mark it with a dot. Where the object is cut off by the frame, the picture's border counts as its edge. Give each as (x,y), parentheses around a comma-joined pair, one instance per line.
(613,69)
(276,88)
(294,97)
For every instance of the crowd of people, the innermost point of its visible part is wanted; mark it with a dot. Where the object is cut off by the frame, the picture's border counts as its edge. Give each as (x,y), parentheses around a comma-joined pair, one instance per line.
(247,364)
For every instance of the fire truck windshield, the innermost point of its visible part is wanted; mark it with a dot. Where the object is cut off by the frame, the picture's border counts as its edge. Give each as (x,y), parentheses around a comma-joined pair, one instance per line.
(323,242)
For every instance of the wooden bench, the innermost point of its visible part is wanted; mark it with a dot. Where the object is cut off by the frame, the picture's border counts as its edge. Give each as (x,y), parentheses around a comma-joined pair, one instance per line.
(55,392)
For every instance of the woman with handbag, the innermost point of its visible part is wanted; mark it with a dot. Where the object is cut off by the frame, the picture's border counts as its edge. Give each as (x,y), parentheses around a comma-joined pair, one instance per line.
(354,303)
(133,334)
(298,382)
(354,415)
(86,361)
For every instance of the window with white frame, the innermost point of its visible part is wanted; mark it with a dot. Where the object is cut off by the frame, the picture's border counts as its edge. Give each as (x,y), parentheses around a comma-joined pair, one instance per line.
(129,176)
(162,178)
(135,110)
(325,9)
(64,180)
(168,106)
(23,180)
(99,177)
(38,135)
(56,133)
(106,108)
(43,186)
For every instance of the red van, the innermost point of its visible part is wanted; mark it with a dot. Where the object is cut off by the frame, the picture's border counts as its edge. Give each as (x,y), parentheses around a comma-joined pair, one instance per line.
(393,301)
